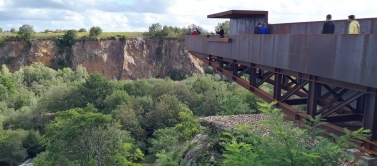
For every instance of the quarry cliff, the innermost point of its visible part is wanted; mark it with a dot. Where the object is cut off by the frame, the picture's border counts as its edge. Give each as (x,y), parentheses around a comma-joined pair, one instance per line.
(130,58)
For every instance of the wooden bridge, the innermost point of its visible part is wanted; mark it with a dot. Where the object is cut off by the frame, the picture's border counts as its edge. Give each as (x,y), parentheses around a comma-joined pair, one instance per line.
(332,75)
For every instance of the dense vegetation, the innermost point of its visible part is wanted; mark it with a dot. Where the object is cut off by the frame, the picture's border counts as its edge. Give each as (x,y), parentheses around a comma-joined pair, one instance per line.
(67,117)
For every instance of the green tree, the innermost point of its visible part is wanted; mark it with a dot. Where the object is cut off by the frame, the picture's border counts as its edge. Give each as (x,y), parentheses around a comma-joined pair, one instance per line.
(82,30)
(69,38)
(189,125)
(26,32)
(115,99)
(163,139)
(13,30)
(95,31)
(86,137)
(225,25)
(155,30)
(138,88)
(46,31)
(32,143)
(95,90)
(1,30)
(12,152)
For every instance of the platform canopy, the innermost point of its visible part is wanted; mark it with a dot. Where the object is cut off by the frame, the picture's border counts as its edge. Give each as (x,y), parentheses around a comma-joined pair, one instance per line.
(238,14)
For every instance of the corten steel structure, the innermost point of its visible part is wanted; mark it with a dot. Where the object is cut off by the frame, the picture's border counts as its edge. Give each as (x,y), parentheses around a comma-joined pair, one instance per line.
(332,75)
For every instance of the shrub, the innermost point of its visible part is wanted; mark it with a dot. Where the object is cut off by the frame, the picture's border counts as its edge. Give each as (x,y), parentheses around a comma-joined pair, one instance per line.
(26,32)
(82,30)
(13,30)
(95,31)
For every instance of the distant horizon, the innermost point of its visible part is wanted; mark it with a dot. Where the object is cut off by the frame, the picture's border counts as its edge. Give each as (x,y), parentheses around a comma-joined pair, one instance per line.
(137,16)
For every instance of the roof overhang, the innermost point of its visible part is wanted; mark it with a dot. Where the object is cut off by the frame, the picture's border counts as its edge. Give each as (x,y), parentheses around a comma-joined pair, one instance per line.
(238,14)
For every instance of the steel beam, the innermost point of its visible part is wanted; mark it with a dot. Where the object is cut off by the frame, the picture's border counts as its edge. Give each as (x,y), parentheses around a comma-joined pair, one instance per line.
(329,104)
(253,76)
(344,118)
(314,94)
(277,86)
(370,115)
(294,90)
(266,76)
(342,104)
(299,101)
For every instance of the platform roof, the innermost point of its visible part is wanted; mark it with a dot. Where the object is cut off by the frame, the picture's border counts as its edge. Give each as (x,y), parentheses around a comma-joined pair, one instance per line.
(238,14)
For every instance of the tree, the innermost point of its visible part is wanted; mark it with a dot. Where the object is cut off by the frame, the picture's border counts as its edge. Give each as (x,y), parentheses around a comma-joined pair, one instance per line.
(95,31)
(115,99)
(95,90)
(82,136)
(13,30)
(226,27)
(26,32)
(155,30)
(1,30)
(32,143)
(138,88)
(46,31)
(69,38)
(12,152)
(82,30)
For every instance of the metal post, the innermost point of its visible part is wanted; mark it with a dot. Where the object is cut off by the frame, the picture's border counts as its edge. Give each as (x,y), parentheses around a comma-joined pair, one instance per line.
(253,76)
(235,68)
(370,115)
(277,86)
(314,94)
(360,105)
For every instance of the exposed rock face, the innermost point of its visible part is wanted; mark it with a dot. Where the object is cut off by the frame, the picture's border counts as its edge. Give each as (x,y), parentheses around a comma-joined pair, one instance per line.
(132,58)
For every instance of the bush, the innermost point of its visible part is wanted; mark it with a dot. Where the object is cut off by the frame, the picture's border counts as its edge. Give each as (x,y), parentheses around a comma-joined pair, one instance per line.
(82,30)
(68,40)
(13,30)
(285,144)
(26,32)
(177,74)
(95,31)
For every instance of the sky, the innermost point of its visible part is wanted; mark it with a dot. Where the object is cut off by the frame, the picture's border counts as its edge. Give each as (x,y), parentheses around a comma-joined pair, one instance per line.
(138,15)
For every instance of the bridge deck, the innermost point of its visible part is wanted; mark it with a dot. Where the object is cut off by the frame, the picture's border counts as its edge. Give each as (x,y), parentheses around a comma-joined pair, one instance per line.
(346,58)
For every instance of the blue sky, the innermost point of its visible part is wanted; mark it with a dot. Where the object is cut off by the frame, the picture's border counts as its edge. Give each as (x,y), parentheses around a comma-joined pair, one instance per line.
(138,15)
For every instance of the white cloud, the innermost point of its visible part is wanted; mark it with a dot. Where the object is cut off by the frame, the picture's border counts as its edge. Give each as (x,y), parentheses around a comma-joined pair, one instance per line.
(114,16)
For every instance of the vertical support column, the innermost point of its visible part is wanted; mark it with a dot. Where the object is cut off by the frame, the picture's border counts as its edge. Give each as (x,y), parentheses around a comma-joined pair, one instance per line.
(285,82)
(370,115)
(210,58)
(260,73)
(360,105)
(253,76)
(314,94)
(235,68)
(277,86)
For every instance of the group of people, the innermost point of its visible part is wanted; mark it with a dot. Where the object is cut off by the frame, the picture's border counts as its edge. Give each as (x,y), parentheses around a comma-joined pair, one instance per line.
(329,26)
(261,29)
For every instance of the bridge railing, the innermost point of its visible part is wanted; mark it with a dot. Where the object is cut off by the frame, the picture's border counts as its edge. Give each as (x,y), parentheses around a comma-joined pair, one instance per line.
(348,58)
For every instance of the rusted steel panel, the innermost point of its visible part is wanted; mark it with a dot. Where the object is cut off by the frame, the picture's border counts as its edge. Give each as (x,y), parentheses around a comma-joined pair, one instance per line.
(280,51)
(369,64)
(233,26)
(349,53)
(365,26)
(321,55)
(188,42)
(250,24)
(314,27)
(266,52)
(298,53)
(341,27)
(241,25)
(298,28)
(235,47)
(374,26)
(254,48)
(244,47)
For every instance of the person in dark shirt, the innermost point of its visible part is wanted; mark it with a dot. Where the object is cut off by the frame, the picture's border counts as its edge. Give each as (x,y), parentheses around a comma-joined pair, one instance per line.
(328,26)
(263,29)
(197,30)
(257,28)
(221,32)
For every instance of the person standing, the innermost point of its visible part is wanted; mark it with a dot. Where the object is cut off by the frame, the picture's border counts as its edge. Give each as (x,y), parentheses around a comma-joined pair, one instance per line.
(354,26)
(194,32)
(221,32)
(328,26)
(197,30)
(257,28)
(263,29)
